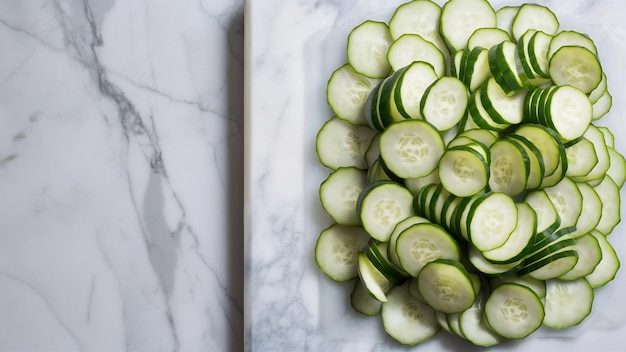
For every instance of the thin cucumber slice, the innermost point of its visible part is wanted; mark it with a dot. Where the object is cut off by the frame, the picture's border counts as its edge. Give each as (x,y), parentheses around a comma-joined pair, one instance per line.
(476,68)
(339,194)
(347,92)
(336,251)
(503,65)
(538,286)
(589,256)
(473,326)
(581,158)
(446,286)
(377,254)
(575,66)
(463,171)
(373,151)
(486,137)
(342,144)
(598,91)
(397,230)
(571,38)
(368,44)
(602,106)
(514,311)
(478,260)
(608,192)
(413,47)
(423,243)
(609,138)
(534,16)
(609,264)
(362,302)
(509,168)
(381,206)
(545,139)
(552,266)
(487,37)
(491,220)
(617,167)
(568,303)
(567,200)
(406,319)
(536,170)
(595,136)
(569,112)
(411,148)
(415,184)
(480,116)
(504,18)
(373,280)
(460,18)
(591,211)
(521,240)
(502,107)
(412,84)
(444,103)
(416,17)
(548,219)
(538,47)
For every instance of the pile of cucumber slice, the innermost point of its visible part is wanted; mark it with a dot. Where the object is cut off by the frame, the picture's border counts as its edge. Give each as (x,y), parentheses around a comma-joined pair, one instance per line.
(472,186)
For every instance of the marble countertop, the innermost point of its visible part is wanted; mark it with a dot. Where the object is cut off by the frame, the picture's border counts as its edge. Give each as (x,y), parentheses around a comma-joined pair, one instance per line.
(121,160)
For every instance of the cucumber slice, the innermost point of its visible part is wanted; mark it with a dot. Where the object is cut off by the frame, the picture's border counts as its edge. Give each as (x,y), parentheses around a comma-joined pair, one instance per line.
(545,139)
(446,286)
(411,148)
(376,252)
(416,17)
(602,106)
(538,47)
(598,91)
(504,18)
(491,220)
(595,136)
(406,319)
(591,211)
(473,326)
(534,16)
(521,240)
(589,256)
(608,192)
(548,219)
(362,302)
(606,270)
(575,66)
(423,243)
(487,37)
(571,38)
(381,206)
(567,201)
(568,303)
(514,311)
(412,84)
(581,158)
(347,92)
(341,144)
(536,171)
(339,194)
(444,103)
(397,230)
(509,168)
(373,280)
(569,112)
(553,266)
(413,47)
(460,18)
(478,260)
(368,44)
(617,166)
(538,286)
(502,107)
(336,251)
(463,171)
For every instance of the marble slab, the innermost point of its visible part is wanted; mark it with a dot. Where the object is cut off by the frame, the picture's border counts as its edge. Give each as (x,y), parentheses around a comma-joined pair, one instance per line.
(291,48)
(121,159)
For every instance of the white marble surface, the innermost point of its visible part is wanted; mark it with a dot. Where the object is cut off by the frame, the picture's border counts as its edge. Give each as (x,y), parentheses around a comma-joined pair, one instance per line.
(121,160)
(291,49)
